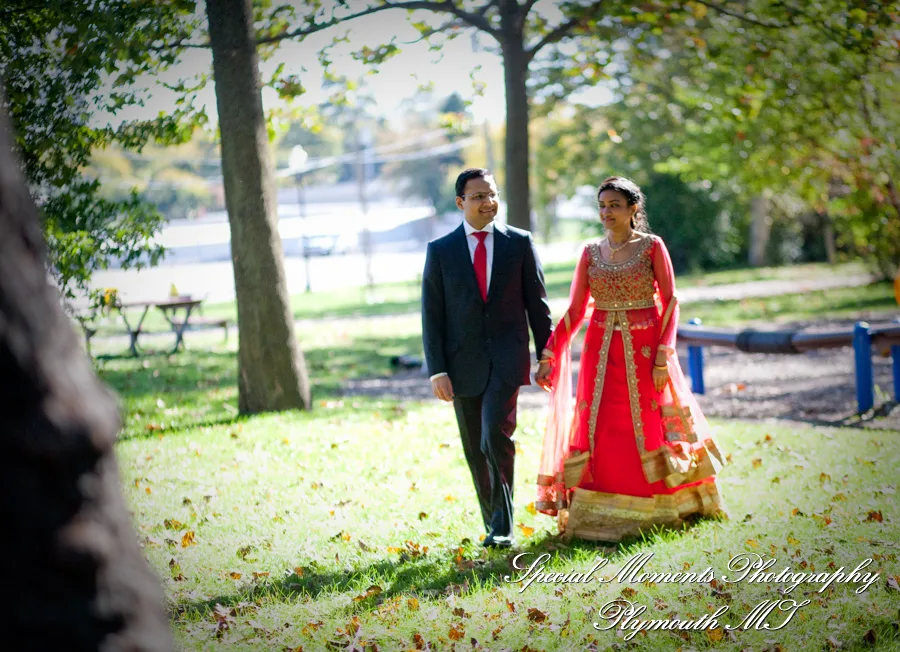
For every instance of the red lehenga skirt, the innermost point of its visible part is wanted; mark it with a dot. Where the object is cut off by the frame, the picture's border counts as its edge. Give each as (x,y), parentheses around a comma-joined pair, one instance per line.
(652,461)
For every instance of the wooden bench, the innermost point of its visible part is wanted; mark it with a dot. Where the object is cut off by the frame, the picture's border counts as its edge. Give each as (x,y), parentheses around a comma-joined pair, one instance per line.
(205,322)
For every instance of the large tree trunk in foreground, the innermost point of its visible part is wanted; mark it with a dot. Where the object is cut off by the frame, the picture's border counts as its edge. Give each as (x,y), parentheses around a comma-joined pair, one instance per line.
(271,369)
(72,572)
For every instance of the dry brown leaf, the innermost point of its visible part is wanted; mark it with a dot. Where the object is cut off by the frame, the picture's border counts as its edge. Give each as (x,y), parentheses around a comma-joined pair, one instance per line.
(756,462)
(531,509)
(791,540)
(753,543)
(536,615)
(526,531)
(824,477)
(875,515)
(298,571)
(715,635)
(257,575)
(419,641)
(456,634)
(188,539)
(412,604)
(234,575)
(629,592)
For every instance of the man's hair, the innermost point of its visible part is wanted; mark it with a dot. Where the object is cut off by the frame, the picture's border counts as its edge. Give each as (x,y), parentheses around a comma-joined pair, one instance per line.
(471,173)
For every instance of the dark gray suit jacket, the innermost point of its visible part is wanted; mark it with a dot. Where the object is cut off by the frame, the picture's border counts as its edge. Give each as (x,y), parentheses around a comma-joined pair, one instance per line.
(463,335)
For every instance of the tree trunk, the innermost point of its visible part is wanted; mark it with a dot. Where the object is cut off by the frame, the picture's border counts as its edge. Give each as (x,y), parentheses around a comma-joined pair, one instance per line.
(271,369)
(760,227)
(515,69)
(74,574)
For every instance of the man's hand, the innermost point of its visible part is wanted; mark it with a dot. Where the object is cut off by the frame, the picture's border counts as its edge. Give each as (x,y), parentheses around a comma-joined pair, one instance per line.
(542,377)
(442,388)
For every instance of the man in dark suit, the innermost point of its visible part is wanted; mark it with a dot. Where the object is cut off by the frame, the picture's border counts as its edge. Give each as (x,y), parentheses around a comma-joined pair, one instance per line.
(482,286)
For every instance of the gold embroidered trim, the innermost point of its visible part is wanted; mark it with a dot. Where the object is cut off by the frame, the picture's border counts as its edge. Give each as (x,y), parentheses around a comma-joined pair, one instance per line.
(634,393)
(624,305)
(549,480)
(601,375)
(597,515)
(645,351)
(594,248)
(654,405)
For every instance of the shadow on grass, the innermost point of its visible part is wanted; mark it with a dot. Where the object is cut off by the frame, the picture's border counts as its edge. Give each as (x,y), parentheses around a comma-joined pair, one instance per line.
(427,576)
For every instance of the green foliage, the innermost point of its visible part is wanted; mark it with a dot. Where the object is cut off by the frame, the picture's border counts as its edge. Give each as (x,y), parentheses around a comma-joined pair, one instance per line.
(64,65)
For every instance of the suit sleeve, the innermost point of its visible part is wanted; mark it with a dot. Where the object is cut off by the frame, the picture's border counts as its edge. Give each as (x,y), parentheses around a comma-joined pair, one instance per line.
(536,298)
(433,313)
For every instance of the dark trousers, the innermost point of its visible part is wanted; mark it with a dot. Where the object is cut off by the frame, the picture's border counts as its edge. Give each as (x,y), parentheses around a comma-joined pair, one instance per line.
(486,424)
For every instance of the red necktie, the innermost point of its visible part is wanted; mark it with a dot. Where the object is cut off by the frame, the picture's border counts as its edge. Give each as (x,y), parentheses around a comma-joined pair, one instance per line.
(481,264)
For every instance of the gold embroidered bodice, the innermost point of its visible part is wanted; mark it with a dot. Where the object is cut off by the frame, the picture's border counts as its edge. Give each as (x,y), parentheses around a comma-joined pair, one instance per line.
(622,286)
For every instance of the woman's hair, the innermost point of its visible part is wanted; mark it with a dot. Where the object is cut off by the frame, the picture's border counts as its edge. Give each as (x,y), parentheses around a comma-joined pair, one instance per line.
(633,196)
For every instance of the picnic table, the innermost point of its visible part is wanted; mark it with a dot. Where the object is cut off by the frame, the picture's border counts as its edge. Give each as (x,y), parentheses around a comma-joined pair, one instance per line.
(178,311)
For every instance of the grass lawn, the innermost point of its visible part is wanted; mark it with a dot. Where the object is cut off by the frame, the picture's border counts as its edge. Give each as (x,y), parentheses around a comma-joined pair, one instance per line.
(355,526)
(400,298)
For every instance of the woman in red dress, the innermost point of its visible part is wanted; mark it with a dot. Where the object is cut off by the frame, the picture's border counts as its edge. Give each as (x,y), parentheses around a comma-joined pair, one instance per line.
(634,451)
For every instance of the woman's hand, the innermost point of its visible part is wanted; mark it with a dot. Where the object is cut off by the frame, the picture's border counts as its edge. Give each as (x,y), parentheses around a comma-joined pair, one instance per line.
(660,376)
(542,377)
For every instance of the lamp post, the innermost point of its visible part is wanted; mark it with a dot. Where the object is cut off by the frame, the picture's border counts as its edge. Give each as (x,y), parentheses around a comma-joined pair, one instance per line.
(297,163)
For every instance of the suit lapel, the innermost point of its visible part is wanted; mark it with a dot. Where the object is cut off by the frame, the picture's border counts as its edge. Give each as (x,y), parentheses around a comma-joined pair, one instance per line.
(498,266)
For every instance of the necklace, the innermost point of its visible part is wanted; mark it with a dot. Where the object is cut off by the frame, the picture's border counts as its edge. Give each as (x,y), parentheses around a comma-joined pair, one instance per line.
(613,249)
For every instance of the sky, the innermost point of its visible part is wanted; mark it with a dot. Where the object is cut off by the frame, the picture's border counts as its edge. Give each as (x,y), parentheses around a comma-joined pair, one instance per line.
(451,69)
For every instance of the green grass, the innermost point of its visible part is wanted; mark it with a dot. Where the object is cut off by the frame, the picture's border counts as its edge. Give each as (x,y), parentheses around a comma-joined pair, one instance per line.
(873,301)
(401,298)
(356,523)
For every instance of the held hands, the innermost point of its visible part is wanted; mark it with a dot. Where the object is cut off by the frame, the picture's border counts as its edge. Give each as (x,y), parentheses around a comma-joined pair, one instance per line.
(542,377)
(442,388)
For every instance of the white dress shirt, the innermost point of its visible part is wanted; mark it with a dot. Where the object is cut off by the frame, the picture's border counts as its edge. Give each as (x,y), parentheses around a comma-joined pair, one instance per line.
(472,241)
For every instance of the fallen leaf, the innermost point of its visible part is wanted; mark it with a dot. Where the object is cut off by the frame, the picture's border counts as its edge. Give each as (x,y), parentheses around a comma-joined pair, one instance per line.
(298,571)
(412,604)
(188,539)
(422,516)
(456,634)
(716,634)
(531,509)
(628,592)
(753,543)
(824,477)
(791,540)
(256,575)
(450,499)
(536,615)
(875,515)
(526,531)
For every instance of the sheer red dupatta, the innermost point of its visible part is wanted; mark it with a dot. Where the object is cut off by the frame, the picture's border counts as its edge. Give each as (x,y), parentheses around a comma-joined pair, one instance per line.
(560,420)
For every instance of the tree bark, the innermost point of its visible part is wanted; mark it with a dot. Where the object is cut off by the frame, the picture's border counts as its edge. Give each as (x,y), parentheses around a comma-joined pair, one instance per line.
(760,228)
(515,73)
(271,370)
(73,572)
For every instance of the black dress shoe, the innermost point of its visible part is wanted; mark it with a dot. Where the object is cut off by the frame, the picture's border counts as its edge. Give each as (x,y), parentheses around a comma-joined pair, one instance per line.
(497,541)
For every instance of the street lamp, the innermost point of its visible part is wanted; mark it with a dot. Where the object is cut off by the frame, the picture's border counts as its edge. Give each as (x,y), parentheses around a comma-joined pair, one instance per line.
(297,164)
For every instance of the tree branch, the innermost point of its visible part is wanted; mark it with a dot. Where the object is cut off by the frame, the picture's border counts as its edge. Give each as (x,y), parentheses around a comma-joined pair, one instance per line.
(476,20)
(735,14)
(562,30)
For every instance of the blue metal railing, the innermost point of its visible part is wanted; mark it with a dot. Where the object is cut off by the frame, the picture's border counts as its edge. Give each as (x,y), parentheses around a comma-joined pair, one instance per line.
(862,338)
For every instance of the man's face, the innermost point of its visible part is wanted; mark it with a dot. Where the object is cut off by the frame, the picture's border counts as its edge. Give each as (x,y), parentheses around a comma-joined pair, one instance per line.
(480,201)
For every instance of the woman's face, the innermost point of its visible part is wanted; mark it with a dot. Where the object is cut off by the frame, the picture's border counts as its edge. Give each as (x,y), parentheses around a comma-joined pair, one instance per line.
(615,213)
